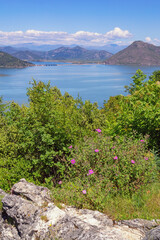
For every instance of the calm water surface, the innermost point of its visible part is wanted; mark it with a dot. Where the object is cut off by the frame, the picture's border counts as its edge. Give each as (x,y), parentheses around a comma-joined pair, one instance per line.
(92,82)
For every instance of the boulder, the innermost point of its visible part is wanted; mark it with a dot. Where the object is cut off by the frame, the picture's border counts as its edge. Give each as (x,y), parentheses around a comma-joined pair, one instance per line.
(28,213)
(30,191)
(153,234)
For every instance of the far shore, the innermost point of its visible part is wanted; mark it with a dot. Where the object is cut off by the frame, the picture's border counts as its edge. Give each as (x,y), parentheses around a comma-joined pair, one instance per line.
(70,61)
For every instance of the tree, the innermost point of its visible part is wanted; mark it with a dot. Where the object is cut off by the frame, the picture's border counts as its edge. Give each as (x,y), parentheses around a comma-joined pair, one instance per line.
(138,79)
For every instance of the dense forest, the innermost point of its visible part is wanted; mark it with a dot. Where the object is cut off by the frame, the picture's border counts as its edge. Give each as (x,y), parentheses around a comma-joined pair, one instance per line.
(98,158)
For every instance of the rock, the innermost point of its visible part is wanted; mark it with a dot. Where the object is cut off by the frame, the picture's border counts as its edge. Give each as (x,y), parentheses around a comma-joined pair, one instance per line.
(29,214)
(21,212)
(153,234)
(30,191)
(141,224)
(8,232)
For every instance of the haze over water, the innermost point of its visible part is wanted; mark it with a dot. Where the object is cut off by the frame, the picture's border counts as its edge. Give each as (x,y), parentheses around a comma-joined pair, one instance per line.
(92,82)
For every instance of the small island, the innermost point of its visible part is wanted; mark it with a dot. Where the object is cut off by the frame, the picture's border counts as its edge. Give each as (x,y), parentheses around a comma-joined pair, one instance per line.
(8,61)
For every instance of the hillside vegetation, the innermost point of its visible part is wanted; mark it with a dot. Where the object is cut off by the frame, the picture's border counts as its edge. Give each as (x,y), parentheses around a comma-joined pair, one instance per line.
(8,61)
(105,159)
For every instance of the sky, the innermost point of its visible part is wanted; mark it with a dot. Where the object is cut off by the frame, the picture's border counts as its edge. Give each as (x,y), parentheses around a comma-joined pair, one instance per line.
(83,22)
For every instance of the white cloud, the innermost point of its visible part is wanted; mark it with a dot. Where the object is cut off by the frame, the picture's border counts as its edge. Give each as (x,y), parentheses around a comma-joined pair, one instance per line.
(148,39)
(118,33)
(54,37)
(154,41)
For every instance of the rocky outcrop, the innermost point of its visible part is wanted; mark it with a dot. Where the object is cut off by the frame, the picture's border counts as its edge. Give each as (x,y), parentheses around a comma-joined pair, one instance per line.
(29,213)
(153,234)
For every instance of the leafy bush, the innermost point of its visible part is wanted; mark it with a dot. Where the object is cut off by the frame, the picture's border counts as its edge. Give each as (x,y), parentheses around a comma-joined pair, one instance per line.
(138,112)
(121,165)
(34,138)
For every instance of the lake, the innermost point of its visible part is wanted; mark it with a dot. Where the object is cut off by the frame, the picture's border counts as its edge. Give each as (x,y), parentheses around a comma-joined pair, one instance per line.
(91,81)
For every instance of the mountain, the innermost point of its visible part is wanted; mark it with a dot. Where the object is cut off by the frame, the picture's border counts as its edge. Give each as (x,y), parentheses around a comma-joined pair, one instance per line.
(138,53)
(8,61)
(112,48)
(29,55)
(8,49)
(63,53)
(77,54)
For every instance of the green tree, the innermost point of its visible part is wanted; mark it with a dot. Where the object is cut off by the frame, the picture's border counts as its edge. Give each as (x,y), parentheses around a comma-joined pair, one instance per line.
(138,79)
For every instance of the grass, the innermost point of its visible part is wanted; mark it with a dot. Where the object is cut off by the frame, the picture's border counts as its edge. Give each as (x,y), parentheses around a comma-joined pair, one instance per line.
(1,197)
(144,204)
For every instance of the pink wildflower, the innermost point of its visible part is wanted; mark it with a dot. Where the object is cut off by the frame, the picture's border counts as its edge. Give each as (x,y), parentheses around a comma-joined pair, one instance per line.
(70,146)
(73,161)
(142,140)
(84,192)
(98,130)
(113,147)
(96,150)
(132,161)
(146,158)
(90,172)
(60,182)
(115,158)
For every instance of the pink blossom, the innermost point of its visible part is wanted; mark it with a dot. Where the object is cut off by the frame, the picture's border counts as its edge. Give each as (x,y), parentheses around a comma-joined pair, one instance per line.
(115,158)
(84,192)
(146,158)
(132,161)
(70,146)
(90,172)
(113,147)
(73,161)
(60,182)
(142,140)
(96,150)
(98,130)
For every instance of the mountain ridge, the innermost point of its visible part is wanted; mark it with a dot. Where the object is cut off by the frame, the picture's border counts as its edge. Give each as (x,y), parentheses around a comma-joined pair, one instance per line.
(75,53)
(138,53)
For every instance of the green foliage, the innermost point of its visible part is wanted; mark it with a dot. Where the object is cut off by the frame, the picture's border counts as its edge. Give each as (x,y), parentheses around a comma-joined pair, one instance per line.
(35,139)
(121,165)
(1,197)
(2,106)
(138,112)
(144,203)
(138,79)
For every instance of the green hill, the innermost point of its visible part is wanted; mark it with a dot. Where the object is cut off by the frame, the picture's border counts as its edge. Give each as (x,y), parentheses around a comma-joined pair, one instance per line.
(8,61)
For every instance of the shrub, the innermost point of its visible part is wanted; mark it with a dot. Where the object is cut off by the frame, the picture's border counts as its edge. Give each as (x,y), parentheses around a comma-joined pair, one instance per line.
(34,139)
(121,165)
(139,111)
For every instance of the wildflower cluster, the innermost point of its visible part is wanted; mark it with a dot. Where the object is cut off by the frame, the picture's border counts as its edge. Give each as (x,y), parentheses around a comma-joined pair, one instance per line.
(119,166)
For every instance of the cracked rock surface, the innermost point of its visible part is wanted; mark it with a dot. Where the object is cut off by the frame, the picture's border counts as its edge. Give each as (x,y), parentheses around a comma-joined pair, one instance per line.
(29,214)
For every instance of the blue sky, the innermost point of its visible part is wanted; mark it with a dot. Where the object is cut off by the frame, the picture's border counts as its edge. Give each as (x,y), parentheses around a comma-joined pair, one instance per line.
(86,22)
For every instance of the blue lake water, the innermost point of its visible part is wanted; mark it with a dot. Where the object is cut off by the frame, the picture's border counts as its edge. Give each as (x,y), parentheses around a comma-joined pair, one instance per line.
(92,82)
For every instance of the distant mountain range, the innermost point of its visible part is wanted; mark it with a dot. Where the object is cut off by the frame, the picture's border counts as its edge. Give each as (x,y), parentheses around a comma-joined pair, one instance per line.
(112,48)
(138,53)
(61,54)
(8,61)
